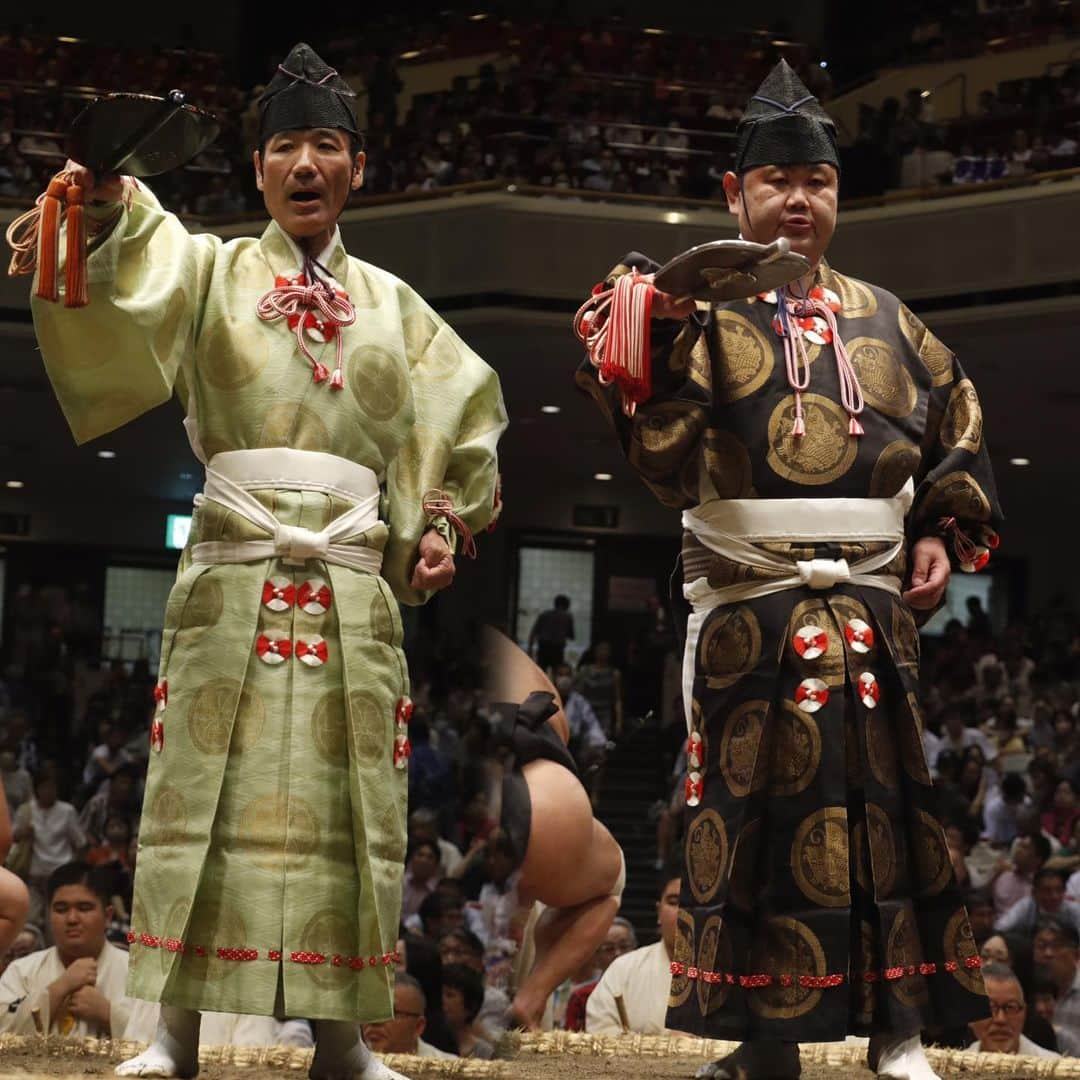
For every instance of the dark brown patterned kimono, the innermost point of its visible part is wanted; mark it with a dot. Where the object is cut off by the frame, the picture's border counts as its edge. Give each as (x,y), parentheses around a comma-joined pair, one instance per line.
(818,898)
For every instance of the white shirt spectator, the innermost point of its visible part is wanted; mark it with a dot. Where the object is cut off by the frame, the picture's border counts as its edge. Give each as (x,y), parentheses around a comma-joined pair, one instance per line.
(57,835)
(969,737)
(24,988)
(491,917)
(1027,1048)
(1023,915)
(582,721)
(643,978)
(1000,818)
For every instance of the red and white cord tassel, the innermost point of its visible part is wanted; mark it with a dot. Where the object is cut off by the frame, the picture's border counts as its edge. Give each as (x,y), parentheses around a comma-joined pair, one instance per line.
(972,557)
(298,303)
(798,366)
(437,503)
(403,712)
(615,325)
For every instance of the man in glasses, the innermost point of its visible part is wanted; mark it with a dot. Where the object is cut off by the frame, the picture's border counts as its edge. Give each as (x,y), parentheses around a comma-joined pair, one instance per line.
(1055,948)
(402,1034)
(1003,1032)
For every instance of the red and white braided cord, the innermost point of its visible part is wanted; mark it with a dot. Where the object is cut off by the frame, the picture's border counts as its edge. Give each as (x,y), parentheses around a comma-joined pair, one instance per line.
(438,504)
(288,301)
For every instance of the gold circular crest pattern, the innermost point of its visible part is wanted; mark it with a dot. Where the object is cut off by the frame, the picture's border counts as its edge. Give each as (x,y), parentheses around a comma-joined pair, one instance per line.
(819,857)
(796,751)
(380,621)
(211,724)
(377,381)
(727,462)
(934,355)
(875,851)
(683,953)
(387,840)
(820,456)
(330,933)
(746,357)
(957,495)
(214,926)
(959,945)
(698,363)
(204,604)
(714,954)
(786,946)
(238,349)
(730,646)
(905,635)
(294,425)
(743,886)
(168,817)
(437,364)
(912,751)
(662,434)
(706,854)
(369,726)
(886,383)
(856,298)
(829,666)
(740,763)
(931,855)
(904,950)
(278,832)
(881,749)
(328,732)
(895,464)
(963,423)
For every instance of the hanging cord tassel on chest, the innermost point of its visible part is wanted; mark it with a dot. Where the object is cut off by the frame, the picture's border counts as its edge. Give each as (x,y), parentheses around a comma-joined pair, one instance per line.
(34,238)
(615,325)
(310,302)
(793,316)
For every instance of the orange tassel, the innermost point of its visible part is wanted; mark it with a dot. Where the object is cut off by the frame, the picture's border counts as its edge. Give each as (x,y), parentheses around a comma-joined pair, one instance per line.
(75,293)
(49,240)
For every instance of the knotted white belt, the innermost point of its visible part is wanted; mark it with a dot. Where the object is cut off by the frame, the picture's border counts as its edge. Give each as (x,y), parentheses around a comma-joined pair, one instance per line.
(730,527)
(231,474)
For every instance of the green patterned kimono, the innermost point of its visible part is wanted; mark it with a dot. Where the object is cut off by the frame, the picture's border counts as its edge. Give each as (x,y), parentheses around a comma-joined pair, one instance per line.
(273,831)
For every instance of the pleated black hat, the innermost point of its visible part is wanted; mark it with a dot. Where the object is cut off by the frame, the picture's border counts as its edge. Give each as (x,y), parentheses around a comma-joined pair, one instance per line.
(784,124)
(306,92)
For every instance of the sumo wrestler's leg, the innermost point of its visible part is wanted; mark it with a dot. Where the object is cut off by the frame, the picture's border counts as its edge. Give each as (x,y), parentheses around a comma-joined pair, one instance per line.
(14,905)
(575,868)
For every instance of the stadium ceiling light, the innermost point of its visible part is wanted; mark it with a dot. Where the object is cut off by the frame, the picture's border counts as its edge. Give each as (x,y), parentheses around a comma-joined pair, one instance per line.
(823,63)
(1020,461)
(480,16)
(412,54)
(653,30)
(14,484)
(602,476)
(551,410)
(926,93)
(108,455)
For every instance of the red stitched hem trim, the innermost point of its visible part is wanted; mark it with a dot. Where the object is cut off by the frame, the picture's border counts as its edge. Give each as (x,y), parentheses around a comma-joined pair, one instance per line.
(820,982)
(354,963)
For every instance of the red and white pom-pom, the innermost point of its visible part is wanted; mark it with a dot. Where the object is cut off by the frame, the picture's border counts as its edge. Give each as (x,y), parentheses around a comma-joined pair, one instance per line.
(620,344)
(279,594)
(695,788)
(811,695)
(314,597)
(313,652)
(157,735)
(860,635)
(869,690)
(402,751)
(161,693)
(810,642)
(273,647)
(403,711)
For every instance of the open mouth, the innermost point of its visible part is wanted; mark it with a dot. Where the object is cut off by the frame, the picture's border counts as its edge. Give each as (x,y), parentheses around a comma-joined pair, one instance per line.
(304,197)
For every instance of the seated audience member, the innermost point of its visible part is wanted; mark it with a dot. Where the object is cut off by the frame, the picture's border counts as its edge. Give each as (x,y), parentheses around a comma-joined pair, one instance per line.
(421,875)
(76,988)
(958,734)
(642,978)
(462,996)
(53,828)
(1029,823)
(620,940)
(29,939)
(1002,1033)
(424,825)
(1047,898)
(1002,808)
(974,862)
(14,898)
(1056,946)
(491,916)
(464,947)
(116,798)
(421,960)
(117,844)
(1044,999)
(401,1035)
(438,914)
(1060,819)
(588,974)
(981,914)
(1015,884)
(17,783)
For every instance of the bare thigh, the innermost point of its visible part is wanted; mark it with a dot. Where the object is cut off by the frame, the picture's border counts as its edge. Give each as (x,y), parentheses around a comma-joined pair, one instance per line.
(571,857)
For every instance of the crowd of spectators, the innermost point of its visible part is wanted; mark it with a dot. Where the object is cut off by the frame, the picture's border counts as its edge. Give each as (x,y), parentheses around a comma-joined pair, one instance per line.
(602,109)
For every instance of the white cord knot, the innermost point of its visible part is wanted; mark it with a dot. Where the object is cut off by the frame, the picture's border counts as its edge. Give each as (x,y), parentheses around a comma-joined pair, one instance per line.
(295,544)
(823,573)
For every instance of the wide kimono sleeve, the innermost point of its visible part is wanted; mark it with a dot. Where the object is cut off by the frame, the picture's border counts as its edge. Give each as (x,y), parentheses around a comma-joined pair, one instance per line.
(956,497)
(662,440)
(118,357)
(451,447)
